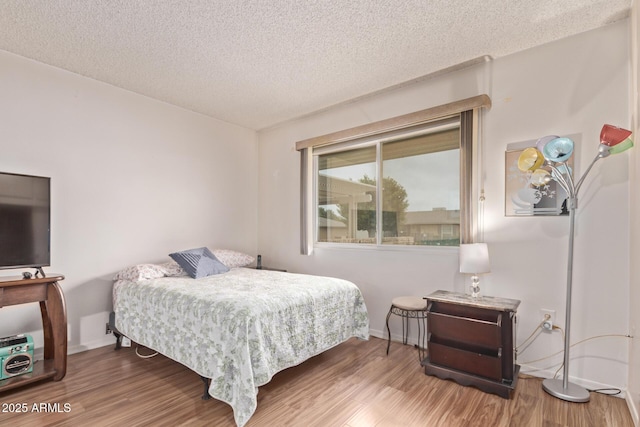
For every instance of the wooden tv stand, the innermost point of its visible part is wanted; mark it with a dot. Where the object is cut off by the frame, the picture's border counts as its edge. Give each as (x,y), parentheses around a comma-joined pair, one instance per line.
(46,291)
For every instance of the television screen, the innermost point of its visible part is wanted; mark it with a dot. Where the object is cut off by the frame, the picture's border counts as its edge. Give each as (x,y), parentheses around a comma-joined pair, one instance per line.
(25,218)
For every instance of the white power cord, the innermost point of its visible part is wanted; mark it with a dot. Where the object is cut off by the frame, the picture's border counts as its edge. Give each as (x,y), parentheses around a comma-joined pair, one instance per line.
(145,356)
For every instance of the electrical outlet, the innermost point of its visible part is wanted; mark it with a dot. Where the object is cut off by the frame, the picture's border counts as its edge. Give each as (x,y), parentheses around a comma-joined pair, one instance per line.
(108,330)
(548,319)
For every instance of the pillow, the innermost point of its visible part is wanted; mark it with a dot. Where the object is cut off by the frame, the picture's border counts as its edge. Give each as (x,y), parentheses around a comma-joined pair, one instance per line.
(172,269)
(233,259)
(140,272)
(199,262)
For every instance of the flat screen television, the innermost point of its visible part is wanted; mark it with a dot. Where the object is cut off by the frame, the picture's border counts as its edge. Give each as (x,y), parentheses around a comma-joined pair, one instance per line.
(25,218)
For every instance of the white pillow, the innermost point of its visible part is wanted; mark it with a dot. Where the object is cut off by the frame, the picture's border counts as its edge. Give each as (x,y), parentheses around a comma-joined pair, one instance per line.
(233,259)
(140,272)
(172,269)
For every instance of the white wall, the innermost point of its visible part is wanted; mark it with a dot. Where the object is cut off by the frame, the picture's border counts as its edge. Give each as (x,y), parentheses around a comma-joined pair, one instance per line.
(633,395)
(132,179)
(571,87)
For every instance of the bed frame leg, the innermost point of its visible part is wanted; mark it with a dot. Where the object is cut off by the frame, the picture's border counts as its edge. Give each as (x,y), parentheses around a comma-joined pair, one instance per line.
(116,333)
(207,382)
(118,340)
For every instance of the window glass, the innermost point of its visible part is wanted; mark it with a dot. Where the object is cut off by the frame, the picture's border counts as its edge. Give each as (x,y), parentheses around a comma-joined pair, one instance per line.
(421,190)
(346,196)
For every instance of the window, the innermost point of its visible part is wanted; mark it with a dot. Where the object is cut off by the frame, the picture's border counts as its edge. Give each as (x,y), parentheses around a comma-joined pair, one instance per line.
(417,201)
(404,181)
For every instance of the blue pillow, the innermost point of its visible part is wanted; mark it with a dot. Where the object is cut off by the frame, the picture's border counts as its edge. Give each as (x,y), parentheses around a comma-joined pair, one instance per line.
(199,262)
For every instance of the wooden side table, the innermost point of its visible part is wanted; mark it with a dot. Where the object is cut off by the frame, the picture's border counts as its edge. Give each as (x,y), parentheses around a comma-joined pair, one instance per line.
(48,293)
(471,341)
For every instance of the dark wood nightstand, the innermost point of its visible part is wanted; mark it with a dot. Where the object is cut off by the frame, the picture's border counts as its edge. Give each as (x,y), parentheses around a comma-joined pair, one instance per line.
(471,341)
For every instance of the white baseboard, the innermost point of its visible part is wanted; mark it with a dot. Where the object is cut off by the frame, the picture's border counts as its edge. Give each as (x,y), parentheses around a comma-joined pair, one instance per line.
(589,385)
(412,339)
(378,334)
(38,353)
(633,409)
(102,342)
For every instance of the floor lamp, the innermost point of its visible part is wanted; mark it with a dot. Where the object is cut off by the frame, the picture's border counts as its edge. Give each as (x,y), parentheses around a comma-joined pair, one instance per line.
(551,153)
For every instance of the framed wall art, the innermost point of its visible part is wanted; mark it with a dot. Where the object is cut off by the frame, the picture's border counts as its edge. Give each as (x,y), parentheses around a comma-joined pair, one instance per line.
(522,196)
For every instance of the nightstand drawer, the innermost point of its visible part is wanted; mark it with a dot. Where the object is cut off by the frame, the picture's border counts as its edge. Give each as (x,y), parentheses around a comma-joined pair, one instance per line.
(469,331)
(481,364)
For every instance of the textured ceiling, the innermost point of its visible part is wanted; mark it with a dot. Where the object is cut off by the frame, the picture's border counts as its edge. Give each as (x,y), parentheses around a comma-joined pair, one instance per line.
(257,63)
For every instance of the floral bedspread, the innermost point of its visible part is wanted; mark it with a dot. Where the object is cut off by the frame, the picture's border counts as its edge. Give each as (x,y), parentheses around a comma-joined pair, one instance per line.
(242,327)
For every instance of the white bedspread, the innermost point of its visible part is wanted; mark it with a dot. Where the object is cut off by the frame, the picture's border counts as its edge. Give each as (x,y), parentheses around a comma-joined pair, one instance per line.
(242,327)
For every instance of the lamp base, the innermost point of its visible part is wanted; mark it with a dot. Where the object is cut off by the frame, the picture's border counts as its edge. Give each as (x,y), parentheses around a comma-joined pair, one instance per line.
(573,392)
(475,286)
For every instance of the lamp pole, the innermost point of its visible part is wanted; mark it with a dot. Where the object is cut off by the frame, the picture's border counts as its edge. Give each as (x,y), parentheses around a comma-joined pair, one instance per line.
(556,151)
(563,389)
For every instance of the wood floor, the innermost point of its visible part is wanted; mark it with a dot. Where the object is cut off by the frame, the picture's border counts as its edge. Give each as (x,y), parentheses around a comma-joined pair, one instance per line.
(352,385)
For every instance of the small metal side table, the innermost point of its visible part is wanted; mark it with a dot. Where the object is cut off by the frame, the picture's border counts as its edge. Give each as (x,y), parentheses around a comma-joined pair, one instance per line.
(410,307)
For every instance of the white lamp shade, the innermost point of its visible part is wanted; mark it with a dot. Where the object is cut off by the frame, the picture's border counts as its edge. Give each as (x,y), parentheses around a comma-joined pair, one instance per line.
(474,258)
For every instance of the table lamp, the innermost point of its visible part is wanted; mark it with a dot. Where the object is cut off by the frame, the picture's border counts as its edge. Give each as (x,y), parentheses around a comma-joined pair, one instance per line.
(474,259)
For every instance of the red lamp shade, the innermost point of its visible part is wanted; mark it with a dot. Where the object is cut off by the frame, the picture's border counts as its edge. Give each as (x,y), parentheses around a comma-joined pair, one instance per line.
(612,135)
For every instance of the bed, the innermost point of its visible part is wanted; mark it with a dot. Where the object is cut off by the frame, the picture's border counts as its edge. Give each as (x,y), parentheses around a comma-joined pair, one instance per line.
(239,328)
